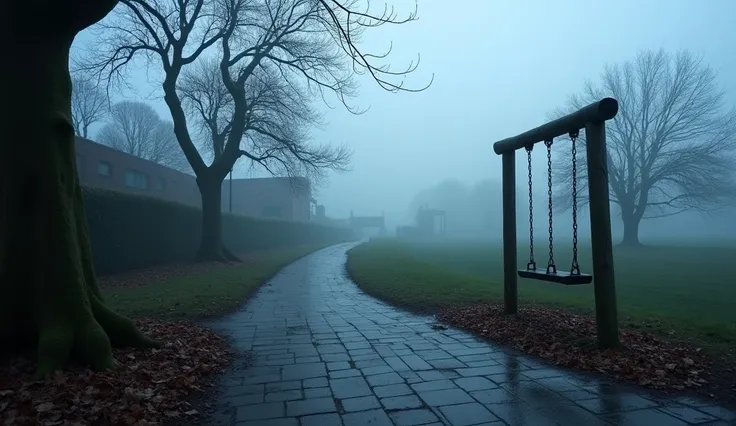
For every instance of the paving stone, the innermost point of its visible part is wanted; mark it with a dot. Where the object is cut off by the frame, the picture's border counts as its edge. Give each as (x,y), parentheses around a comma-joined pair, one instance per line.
(404,402)
(650,416)
(413,417)
(384,379)
(381,369)
(475,383)
(267,378)
(392,390)
(315,382)
(303,371)
(415,363)
(339,365)
(306,359)
(349,387)
(431,354)
(361,403)
(482,371)
(494,396)
(331,419)
(433,385)
(268,410)
(271,422)
(437,398)
(336,357)
(288,395)
(448,363)
(310,406)
(720,413)
(616,403)
(341,374)
(317,392)
(467,414)
(283,386)
(520,413)
(247,399)
(367,418)
(244,390)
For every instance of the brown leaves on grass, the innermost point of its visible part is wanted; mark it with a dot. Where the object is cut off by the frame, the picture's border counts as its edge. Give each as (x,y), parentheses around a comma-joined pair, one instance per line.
(162,273)
(146,386)
(570,340)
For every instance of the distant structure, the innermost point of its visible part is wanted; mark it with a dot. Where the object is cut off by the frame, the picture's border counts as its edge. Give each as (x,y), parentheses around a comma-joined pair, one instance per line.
(104,167)
(428,222)
(360,223)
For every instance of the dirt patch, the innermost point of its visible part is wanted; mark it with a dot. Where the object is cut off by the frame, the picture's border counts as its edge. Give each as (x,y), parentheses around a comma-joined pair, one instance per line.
(146,386)
(569,340)
(157,274)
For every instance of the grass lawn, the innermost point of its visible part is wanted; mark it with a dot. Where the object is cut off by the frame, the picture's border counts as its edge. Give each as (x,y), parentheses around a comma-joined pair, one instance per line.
(203,295)
(683,292)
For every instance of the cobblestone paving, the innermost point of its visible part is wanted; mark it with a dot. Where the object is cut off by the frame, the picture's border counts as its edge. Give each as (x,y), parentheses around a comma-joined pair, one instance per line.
(326,354)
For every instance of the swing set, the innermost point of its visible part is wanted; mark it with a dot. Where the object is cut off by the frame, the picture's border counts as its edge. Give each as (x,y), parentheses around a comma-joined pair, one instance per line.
(592,118)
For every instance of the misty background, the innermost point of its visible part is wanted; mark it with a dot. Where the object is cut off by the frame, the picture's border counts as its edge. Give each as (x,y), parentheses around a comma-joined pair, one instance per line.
(500,68)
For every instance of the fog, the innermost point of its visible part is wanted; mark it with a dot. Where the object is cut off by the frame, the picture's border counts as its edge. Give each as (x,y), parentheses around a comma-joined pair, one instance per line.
(500,68)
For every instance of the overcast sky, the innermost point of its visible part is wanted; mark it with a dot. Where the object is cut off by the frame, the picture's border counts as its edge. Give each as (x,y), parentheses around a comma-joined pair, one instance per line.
(500,67)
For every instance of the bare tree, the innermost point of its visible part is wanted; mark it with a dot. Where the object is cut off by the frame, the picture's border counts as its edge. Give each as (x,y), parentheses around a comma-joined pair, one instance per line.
(672,146)
(89,104)
(275,136)
(309,42)
(135,128)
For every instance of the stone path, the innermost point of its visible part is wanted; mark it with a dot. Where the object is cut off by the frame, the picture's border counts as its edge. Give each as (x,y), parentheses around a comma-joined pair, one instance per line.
(326,354)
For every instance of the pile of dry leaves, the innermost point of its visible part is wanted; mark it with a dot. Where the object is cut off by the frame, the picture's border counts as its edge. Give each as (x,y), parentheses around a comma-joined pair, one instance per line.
(146,386)
(568,339)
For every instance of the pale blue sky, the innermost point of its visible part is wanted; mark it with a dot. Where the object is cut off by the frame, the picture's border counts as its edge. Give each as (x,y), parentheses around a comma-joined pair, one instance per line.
(500,67)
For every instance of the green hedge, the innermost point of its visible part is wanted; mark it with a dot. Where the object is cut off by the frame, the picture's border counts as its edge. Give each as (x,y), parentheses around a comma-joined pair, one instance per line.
(129,231)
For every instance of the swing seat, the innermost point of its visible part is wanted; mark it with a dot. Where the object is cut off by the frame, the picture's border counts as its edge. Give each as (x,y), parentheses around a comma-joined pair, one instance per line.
(559,277)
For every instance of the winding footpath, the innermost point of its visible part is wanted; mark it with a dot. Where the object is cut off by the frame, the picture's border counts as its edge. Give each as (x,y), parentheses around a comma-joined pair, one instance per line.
(326,354)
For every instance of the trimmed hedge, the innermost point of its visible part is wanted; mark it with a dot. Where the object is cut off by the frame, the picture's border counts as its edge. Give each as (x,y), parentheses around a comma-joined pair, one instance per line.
(129,231)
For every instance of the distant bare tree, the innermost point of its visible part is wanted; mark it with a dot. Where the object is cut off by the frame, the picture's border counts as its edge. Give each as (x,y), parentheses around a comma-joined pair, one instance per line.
(672,146)
(311,43)
(135,128)
(89,104)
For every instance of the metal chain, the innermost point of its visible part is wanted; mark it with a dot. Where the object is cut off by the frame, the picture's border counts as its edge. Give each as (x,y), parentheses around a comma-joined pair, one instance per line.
(575,268)
(532,265)
(551,268)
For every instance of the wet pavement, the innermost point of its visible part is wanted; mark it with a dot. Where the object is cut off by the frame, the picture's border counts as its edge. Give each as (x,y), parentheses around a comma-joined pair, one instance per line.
(326,354)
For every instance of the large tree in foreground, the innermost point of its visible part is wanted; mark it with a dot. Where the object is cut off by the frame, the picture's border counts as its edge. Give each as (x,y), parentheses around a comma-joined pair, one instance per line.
(90,104)
(672,146)
(50,295)
(135,128)
(313,43)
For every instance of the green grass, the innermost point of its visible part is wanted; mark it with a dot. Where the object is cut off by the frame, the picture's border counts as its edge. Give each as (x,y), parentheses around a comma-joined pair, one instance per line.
(204,295)
(683,292)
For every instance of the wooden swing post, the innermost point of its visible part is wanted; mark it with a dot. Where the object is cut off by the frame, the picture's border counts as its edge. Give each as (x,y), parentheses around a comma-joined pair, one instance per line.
(592,118)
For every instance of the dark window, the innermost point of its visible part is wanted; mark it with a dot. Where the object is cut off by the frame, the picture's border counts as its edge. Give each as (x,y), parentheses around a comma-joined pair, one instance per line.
(160,183)
(273,211)
(136,179)
(104,168)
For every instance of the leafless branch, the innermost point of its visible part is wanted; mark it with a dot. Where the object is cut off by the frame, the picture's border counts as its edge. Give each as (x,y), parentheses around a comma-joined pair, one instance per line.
(90,104)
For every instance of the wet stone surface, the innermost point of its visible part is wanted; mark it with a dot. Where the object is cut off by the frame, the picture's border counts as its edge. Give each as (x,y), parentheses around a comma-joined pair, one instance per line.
(326,354)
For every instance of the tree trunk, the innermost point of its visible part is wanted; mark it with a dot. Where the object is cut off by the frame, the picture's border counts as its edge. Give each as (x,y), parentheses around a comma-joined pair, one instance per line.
(47,279)
(631,232)
(210,246)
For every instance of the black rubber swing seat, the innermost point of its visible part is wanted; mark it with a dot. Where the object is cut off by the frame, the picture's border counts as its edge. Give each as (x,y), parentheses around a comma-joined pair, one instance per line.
(559,277)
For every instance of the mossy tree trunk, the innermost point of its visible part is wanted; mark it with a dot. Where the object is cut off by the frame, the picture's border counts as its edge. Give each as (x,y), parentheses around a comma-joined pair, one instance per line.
(47,279)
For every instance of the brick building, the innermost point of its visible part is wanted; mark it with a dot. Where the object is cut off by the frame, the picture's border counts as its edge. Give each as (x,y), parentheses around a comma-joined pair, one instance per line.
(104,167)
